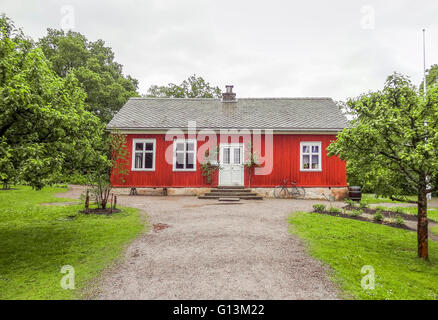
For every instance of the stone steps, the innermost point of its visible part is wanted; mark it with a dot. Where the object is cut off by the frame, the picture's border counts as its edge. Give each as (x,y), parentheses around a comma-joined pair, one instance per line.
(230,190)
(240,197)
(230,194)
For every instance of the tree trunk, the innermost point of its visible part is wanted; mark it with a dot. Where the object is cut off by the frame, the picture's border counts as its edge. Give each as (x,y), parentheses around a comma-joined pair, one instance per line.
(422,228)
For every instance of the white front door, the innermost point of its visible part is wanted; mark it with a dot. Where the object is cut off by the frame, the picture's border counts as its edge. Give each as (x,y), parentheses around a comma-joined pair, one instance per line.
(231,172)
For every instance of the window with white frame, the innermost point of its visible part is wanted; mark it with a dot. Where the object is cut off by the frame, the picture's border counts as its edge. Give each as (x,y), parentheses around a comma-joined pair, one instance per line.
(143,154)
(184,155)
(310,156)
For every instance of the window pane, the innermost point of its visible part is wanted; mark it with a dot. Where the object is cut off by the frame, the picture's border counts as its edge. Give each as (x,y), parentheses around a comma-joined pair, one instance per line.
(139,146)
(180,147)
(179,160)
(138,160)
(306,162)
(236,155)
(190,162)
(226,156)
(306,149)
(148,160)
(315,149)
(315,162)
(149,146)
(190,146)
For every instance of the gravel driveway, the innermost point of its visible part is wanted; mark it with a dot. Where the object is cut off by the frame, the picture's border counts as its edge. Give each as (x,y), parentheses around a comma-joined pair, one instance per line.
(216,251)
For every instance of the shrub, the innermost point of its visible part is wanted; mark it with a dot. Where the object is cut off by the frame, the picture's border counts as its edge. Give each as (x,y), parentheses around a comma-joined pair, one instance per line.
(319,207)
(380,208)
(350,202)
(356,212)
(399,220)
(334,210)
(363,204)
(378,216)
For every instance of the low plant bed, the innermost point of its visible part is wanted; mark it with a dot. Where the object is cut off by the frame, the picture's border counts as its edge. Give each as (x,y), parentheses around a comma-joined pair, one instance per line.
(385,212)
(349,216)
(100,211)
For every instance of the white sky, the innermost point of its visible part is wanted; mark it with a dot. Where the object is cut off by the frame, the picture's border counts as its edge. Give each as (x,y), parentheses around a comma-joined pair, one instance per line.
(265,48)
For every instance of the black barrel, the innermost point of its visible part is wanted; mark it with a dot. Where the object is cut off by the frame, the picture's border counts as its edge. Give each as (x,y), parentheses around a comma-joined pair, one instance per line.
(355,193)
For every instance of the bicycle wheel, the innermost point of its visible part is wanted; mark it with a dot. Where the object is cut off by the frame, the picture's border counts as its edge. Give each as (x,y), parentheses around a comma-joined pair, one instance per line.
(298,193)
(280,192)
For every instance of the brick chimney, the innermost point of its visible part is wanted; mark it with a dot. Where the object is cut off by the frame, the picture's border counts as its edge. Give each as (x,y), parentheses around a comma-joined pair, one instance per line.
(229,95)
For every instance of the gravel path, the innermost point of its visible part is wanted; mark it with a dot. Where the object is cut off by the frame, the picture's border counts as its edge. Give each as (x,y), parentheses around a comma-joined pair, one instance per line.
(213,251)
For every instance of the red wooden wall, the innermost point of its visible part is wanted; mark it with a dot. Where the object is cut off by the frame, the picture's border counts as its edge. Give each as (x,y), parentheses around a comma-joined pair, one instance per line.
(286,156)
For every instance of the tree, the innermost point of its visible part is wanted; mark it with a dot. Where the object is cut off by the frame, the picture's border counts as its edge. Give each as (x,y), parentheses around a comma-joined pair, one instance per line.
(193,87)
(393,143)
(43,123)
(93,65)
(113,162)
(431,77)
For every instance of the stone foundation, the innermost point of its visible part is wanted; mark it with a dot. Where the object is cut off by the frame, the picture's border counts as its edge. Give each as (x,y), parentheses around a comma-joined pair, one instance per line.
(311,193)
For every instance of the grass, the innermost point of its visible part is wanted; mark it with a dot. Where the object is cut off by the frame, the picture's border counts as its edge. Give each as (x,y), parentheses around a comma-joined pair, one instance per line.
(370,198)
(36,241)
(434,230)
(348,245)
(432,213)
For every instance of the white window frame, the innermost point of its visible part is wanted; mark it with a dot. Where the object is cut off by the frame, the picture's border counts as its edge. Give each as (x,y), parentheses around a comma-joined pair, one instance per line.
(144,141)
(195,151)
(310,144)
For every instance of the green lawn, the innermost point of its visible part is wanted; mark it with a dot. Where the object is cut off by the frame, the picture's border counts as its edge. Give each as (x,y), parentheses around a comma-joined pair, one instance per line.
(36,241)
(432,213)
(434,230)
(347,245)
(371,198)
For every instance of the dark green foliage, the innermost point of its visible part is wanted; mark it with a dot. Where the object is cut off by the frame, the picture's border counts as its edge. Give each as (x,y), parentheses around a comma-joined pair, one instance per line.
(193,87)
(334,210)
(356,212)
(319,207)
(378,216)
(44,127)
(92,63)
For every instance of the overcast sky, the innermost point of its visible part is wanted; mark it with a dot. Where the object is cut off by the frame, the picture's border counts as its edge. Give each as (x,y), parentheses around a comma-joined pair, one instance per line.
(337,48)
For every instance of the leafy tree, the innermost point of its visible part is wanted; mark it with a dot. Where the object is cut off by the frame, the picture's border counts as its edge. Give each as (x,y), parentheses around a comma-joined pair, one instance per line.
(92,63)
(43,123)
(193,87)
(113,163)
(393,144)
(431,77)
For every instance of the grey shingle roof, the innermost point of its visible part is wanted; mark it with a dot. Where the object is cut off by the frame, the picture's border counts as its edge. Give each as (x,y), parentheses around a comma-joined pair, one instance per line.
(251,113)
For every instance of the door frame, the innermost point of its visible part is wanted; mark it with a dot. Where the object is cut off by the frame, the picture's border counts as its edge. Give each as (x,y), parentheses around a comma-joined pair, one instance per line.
(242,160)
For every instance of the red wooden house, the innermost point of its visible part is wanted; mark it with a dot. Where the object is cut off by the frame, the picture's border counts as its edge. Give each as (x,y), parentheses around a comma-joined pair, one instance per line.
(168,138)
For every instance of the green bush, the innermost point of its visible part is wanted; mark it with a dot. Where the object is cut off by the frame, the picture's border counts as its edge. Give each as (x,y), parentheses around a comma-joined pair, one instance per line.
(363,204)
(350,202)
(334,210)
(319,207)
(75,178)
(378,216)
(356,212)
(399,220)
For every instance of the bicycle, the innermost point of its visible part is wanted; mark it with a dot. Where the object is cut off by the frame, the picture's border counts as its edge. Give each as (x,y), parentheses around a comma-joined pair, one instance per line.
(295,192)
